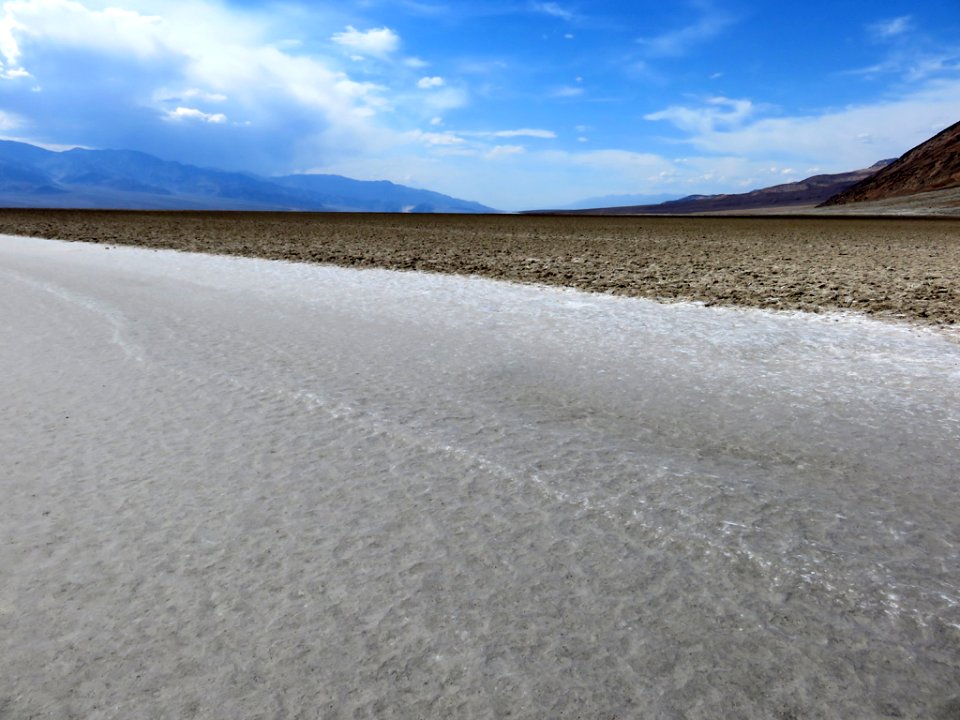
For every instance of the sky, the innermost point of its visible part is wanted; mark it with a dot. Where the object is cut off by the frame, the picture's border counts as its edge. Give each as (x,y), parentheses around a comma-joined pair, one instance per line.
(517,104)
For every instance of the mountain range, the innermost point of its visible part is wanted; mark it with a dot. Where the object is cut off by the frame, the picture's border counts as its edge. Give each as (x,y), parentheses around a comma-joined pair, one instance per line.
(31,176)
(786,197)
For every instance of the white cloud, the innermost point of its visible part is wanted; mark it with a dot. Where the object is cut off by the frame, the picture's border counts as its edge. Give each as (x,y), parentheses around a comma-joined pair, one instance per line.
(521,132)
(233,58)
(13,73)
(203,95)
(677,42)
(426,83)
(167,96)
(378,42)
(9,121)
(526,132)
(502,150)
(415,63)
(567,91)
(441,100)
(914,66)
(836,140)
(554,10)
(181,57)
(890,28)
(185,113)
(719,111)
(71,24)
(433,138)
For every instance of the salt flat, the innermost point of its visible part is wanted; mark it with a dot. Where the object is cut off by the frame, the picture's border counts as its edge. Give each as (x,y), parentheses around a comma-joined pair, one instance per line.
(246,488)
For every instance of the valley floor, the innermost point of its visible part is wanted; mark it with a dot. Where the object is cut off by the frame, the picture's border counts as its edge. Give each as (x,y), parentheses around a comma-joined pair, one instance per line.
(893,268)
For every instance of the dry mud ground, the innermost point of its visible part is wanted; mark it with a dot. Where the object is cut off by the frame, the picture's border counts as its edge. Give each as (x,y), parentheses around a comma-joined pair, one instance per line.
(894,268)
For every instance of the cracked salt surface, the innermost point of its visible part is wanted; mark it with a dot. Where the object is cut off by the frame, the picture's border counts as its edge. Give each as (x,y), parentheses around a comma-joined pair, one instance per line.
(237,487)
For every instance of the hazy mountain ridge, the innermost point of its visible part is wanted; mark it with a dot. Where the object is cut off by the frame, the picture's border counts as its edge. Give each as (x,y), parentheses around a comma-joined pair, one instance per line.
(802,193)
(377,195)
(34,177)
(931,165)
(619,200)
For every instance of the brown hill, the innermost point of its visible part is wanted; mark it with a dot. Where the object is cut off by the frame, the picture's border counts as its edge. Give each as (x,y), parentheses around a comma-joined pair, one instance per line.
(932,165)
(803,193)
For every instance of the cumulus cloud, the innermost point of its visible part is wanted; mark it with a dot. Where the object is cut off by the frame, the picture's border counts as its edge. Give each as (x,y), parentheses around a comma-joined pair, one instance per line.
(144,80)
(13,73)
(426,83)
(72,23)
(378,42)
(185,113)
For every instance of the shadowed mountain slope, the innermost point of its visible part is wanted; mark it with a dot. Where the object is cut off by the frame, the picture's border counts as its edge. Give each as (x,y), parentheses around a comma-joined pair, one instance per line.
(932,165)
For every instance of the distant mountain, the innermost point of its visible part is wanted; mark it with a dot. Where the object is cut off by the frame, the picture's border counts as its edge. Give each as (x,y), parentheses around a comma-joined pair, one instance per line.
(932,165)
(804,193)
(342,193)
(33,177)
(618,200)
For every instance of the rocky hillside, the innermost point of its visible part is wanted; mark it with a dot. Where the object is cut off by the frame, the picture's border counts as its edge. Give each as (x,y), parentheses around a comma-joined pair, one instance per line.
(933,165)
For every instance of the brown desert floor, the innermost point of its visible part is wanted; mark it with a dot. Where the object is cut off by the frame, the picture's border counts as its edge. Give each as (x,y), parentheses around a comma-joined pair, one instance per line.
(894,268)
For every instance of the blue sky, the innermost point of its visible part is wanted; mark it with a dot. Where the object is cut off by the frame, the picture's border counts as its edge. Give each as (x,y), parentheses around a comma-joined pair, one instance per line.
(517,104)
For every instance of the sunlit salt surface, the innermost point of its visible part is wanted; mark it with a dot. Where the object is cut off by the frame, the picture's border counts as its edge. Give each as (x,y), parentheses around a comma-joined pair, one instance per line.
(239,488)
